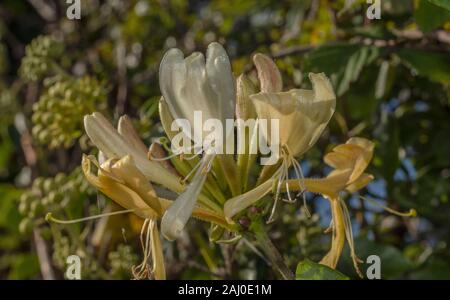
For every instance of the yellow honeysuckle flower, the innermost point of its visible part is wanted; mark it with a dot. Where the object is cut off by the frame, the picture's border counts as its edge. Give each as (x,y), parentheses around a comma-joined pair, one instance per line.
(111,182)
(350,161)
(121,180)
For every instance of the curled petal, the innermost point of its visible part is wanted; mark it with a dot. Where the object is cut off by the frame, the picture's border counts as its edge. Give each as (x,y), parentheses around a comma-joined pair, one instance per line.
(116,190)
(323,90)
(356,155)
(126,170)
(360,183)
(268,74)
(110,142)
(127,131)
(364,159)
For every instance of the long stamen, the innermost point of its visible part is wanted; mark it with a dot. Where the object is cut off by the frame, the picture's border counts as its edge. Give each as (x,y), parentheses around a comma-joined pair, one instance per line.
(143,270)
(175,154)
(349,237)
(137,274)
(194,169)
(288,192)
(192,156)
(232,240)
(411,213)
(49,217)
(277,194)
(299,174)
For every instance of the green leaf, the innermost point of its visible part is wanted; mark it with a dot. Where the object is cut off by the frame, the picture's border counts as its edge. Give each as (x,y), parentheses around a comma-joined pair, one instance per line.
(442,3)
(435,66)
(393,262)
(430,16)
(9,215)
(308,270)
(342,62)
(24,266)
(434,269)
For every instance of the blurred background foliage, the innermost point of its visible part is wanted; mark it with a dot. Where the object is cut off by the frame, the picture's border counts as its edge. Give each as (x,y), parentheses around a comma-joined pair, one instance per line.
(392,78)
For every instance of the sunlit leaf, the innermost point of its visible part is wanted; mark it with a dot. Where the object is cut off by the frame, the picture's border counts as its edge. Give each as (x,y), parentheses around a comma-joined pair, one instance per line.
(308,270)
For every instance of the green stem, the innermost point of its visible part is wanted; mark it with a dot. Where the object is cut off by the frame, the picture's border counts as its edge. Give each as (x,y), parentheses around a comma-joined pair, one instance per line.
(275,258)
(230,171)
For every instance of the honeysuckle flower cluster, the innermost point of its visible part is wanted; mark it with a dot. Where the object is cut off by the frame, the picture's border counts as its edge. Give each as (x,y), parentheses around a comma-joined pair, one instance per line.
(214,187)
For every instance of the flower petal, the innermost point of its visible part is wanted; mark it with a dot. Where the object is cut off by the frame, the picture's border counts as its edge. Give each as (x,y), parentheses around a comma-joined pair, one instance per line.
(237,204)
(221,80)
(129,134)
(117,191)
(302,118)
(159,270)
(126,170)
(176,217)
(108,140)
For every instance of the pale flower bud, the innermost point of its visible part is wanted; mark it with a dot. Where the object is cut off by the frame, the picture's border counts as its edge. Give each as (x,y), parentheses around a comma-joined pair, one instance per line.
(268,74)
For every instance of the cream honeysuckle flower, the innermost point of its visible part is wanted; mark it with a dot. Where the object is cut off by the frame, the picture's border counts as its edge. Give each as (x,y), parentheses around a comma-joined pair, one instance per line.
(270,81)
(190,85)
(302,116)
(117,144)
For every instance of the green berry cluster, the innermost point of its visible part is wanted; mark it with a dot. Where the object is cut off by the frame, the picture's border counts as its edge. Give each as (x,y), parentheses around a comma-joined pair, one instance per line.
(40,56)
(122,260)
(58,115)
(51,194)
